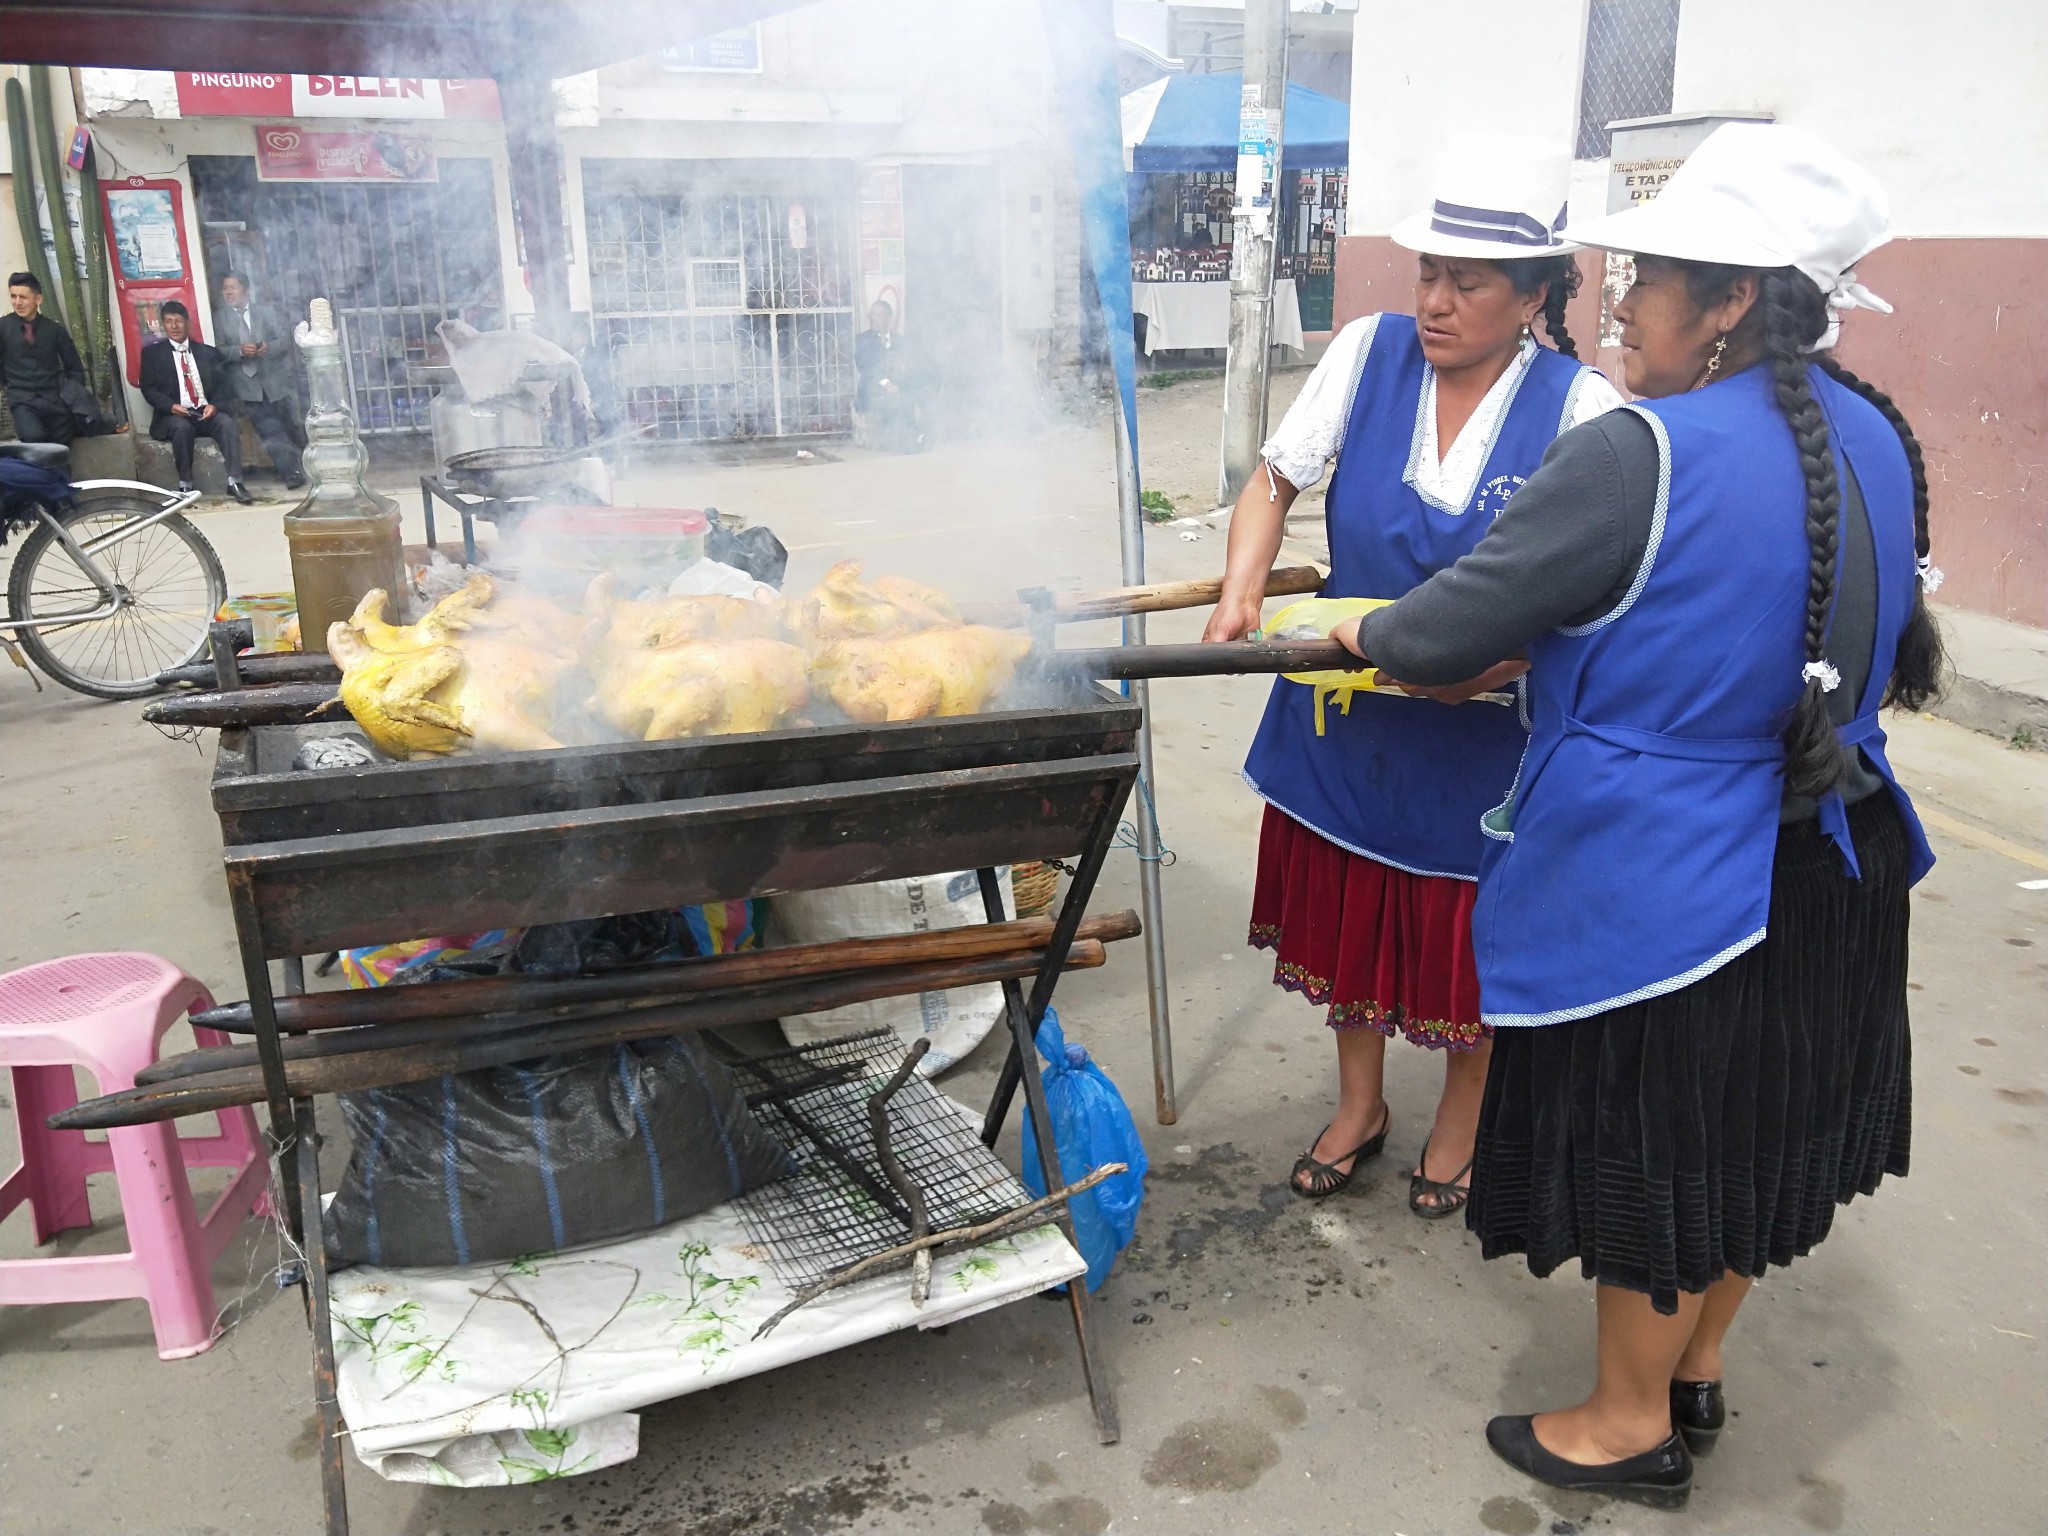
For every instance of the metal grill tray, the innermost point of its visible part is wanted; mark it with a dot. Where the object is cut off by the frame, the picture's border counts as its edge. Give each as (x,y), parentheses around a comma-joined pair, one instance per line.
(824,1217)
(260,799)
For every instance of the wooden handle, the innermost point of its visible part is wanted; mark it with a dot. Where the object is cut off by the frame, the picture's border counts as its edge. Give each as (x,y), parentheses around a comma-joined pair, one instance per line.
(426,1051)
(1115,602)
(283,704)
(1071,607)
(1223,659)
(528,994)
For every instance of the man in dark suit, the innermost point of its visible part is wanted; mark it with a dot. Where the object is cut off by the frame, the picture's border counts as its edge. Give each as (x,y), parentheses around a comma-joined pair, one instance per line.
(37,359)
(186,384)
(257,342)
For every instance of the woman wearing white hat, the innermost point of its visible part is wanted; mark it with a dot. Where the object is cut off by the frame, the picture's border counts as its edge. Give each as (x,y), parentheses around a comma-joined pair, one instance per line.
(1371,840)
(1692,922)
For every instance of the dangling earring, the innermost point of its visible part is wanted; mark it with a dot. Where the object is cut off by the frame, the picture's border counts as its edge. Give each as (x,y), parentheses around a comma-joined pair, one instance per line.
(1526,335)
(1714,362)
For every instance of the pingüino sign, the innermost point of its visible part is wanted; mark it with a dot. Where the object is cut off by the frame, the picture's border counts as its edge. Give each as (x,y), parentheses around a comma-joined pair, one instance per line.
(205,94)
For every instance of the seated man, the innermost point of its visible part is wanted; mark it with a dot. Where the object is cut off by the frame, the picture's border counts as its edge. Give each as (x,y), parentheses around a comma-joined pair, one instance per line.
(885,395)
(37,359)
(182,379)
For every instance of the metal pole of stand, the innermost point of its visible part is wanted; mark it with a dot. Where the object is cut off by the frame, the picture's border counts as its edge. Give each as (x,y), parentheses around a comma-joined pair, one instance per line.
(1131,526)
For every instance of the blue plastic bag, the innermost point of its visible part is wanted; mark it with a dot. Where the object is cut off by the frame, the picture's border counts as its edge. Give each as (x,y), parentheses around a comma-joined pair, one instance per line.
(1093,1126)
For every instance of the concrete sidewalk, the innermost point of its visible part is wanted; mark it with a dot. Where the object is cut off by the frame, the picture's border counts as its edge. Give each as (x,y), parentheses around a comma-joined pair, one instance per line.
(2000,685)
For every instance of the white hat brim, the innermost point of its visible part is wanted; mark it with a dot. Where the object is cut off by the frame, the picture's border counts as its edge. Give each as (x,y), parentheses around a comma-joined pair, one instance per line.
(1655,229)
(1416,233)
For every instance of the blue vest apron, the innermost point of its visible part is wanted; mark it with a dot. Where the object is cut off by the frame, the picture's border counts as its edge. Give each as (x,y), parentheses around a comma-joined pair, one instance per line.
(1401,780)
(1634,854)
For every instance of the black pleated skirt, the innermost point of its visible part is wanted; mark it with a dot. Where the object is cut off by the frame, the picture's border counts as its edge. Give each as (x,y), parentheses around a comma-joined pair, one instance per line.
(1714,1130)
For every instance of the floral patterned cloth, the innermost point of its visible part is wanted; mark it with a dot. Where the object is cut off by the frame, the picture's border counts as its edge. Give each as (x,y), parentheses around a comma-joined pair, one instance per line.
(522,1372)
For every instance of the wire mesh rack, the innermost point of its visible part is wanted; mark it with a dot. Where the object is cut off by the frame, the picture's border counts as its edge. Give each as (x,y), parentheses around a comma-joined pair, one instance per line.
(838,1208)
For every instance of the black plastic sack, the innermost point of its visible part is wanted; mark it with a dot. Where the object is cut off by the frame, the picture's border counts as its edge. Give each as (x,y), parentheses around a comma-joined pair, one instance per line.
(480,1167)
(754,550)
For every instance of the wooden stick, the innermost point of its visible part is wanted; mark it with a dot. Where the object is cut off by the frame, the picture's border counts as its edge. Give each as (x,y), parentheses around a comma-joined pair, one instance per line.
(1224,659)
(499,994)
(376,1061)
(259,668)
(888,1258)
(284,704)
(1072,607)
(1113,602)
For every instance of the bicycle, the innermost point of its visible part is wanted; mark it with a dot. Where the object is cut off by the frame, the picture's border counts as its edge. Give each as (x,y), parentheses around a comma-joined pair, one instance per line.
(112,585)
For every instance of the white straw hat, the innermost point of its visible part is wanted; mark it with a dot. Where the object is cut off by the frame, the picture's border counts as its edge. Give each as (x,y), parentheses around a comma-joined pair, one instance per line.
(1496,197)
(1762,195)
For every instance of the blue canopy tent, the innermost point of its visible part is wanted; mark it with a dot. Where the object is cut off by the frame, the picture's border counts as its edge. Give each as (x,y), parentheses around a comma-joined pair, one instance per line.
(1189,123)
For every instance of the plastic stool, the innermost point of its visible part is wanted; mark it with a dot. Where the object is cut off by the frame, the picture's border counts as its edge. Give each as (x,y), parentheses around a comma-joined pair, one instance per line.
(107,1013)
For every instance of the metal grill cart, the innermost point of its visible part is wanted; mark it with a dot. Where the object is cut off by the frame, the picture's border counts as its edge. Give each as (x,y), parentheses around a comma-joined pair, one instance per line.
(322,860)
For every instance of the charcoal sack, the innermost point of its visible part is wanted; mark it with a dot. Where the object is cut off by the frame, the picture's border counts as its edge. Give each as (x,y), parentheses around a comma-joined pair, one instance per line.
(582,1147)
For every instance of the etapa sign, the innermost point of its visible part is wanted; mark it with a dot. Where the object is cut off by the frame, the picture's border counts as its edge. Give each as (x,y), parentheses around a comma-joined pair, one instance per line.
(202,94)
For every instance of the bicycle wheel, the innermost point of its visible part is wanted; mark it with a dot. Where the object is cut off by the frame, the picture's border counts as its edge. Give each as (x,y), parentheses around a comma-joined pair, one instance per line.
(170,582)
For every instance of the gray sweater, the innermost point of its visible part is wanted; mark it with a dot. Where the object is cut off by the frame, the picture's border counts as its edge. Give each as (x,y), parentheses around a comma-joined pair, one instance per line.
(1565,551)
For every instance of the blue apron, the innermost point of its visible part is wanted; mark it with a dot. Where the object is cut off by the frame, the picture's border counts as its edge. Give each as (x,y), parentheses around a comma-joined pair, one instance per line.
(1402,780)
(1633,856)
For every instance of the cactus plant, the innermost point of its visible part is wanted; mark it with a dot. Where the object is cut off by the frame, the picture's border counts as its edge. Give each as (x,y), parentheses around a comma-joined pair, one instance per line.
(98,297)
(53,194)
(22,143)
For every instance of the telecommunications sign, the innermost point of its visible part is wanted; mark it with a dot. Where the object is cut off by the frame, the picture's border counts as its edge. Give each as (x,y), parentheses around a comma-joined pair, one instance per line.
(202,94)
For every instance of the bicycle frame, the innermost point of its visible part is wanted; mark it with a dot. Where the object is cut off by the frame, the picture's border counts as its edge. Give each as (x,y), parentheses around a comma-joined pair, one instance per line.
(110,595)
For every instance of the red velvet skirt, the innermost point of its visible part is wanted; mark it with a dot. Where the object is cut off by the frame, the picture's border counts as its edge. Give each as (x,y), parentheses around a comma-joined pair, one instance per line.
(1381,948)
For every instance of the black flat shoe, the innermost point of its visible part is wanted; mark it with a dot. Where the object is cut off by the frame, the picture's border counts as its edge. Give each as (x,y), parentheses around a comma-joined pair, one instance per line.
(1698,1413)
(1661,1478)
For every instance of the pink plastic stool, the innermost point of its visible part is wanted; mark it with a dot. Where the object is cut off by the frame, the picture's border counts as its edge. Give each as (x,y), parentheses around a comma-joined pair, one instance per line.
(107,1013)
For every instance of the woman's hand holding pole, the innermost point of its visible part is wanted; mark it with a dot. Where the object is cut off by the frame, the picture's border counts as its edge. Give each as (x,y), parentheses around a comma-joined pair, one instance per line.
(1256,525)
(1501,672)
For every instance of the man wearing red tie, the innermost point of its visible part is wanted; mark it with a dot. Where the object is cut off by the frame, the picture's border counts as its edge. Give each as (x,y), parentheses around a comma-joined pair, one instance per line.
(186,383)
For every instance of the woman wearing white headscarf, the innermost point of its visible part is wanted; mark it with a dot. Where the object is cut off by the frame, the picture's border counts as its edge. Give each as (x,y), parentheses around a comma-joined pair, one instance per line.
(1692,922)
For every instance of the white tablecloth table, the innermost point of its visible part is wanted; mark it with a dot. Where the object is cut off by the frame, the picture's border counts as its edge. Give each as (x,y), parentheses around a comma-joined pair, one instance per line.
(1180,316)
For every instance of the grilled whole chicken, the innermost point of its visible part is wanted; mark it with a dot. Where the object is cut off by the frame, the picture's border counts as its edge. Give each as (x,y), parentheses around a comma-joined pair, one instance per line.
(447,681)
(720,687)
(842,606)
(952,670)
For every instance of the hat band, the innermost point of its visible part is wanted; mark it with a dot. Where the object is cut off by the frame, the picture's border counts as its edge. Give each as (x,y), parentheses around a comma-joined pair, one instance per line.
(1503,226)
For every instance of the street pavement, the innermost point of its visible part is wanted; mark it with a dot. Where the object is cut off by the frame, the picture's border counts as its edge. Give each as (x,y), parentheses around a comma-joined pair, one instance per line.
(1280,1366)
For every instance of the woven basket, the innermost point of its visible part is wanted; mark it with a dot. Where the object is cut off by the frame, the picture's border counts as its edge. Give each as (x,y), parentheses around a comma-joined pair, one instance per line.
(1033,886)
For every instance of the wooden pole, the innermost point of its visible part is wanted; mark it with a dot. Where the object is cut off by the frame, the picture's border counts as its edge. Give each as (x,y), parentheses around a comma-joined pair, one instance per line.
(525,994)
(452,1048)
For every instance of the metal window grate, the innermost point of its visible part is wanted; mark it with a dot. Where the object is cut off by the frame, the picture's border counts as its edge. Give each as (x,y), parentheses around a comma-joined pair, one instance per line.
(824,1217)
(719,326)
(395,261)
(1631,56)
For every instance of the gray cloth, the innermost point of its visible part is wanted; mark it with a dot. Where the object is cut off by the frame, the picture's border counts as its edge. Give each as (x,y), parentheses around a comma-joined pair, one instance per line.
(269,377)
(1565,551)
(32,366)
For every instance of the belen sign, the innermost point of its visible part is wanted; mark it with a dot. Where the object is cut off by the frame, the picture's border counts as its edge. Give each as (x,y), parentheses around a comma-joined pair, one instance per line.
(203,94)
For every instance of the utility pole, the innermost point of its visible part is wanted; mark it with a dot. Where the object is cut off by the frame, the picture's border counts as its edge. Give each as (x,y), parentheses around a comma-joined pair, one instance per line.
(1257,220)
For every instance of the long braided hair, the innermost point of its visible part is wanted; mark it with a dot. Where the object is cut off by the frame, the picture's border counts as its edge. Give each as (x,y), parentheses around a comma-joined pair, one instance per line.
(1792,315)
(1918,669)
(1562,274)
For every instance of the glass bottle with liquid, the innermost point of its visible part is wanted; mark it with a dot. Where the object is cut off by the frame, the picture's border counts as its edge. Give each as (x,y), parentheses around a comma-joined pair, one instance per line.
(344,537)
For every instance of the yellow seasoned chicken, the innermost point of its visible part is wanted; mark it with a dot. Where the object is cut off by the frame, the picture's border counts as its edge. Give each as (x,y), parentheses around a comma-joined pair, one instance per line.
(702,687)
(842,606)
(417,695)
(617,624)
(954,670)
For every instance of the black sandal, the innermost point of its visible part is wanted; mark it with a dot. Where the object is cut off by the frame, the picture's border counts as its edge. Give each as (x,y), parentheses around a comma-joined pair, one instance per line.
(1445,1197)
(1325,1179)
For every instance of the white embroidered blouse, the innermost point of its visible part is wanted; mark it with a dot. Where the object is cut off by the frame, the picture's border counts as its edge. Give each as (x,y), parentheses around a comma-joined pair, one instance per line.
(1312,432)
